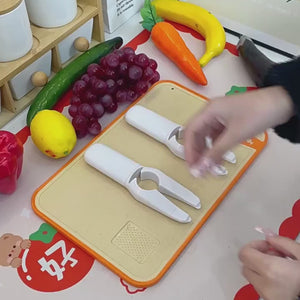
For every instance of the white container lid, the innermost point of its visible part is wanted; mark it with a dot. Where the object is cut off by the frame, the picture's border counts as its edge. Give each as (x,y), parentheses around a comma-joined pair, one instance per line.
(8,5)
(51,13)
(15,31)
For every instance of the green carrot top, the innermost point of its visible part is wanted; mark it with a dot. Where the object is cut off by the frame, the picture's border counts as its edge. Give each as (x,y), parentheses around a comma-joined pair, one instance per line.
(149,15)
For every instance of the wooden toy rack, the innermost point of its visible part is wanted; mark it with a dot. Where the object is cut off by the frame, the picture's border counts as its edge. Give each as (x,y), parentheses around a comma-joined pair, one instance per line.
(45,39)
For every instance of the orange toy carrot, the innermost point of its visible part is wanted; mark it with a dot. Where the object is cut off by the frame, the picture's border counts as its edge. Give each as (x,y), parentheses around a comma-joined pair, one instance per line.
(168,41)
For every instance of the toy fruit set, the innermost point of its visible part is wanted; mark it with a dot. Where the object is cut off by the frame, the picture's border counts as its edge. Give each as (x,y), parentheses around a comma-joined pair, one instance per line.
(168,40)
(52,132)
(105,76)
(197,18)
(63,80)
(121,76)
(101,78)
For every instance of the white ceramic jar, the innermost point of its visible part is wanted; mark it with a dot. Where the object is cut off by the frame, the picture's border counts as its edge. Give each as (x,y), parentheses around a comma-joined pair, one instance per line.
(51,13)
(15,32)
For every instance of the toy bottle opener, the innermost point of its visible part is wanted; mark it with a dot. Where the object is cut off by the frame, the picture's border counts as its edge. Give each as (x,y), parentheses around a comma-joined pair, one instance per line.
(165,131)
(127,173)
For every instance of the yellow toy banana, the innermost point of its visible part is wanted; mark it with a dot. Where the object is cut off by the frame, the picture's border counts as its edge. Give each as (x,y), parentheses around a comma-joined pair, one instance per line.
(197,18)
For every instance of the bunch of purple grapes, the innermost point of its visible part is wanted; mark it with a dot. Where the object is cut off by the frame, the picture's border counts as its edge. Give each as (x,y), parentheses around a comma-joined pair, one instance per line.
(121,76)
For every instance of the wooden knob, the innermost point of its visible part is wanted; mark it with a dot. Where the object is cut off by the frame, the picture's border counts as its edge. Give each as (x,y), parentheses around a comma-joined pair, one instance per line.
(81,44)
(39,79)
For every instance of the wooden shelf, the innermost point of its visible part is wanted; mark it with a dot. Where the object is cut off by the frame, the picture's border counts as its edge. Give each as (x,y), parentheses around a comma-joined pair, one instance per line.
(44,40)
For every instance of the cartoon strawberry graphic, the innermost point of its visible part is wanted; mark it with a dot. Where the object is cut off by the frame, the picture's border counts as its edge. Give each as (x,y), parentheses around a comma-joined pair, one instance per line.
(47,262)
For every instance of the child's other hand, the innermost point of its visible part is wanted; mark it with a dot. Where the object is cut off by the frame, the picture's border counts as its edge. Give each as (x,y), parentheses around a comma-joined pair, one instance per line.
(273,267)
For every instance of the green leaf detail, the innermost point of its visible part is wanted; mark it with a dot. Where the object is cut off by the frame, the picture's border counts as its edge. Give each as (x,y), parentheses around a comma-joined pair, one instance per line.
(236,90)
(149,15)
(45,234)
(147,25)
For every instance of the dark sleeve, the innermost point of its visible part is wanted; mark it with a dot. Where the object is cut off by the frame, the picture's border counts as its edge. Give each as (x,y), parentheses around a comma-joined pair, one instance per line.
(288,76)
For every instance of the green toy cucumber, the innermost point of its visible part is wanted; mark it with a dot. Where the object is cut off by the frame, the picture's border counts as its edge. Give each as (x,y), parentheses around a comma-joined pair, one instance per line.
(63,80)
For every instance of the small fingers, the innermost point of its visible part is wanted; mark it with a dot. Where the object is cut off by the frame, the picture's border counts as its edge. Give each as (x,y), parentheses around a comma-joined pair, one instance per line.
(286,246)
(254,256)
(220,146)
(194,139)
(196,149)
(210,159)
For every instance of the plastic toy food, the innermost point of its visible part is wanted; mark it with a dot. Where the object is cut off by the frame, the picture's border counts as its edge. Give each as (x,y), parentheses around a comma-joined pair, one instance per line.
(53,133)
(168,40)
(121,76)
(63,80)
(11,161)
(197,18)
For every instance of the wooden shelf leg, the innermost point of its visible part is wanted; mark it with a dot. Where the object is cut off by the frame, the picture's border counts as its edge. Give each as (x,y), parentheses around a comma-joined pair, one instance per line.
(56,61)
(98,28)
(7,99)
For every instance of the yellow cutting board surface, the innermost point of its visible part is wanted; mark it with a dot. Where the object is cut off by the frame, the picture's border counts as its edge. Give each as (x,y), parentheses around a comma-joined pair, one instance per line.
(134,241)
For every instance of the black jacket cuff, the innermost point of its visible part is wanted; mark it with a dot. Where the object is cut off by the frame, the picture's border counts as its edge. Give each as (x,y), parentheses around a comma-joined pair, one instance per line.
(287,75)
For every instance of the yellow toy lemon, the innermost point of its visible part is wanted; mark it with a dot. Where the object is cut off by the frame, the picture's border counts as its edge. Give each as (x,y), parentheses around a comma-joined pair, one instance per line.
(53,133)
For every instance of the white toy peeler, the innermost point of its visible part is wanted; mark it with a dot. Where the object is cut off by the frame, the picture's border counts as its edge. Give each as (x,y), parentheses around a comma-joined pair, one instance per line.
(164,131)
(127,173)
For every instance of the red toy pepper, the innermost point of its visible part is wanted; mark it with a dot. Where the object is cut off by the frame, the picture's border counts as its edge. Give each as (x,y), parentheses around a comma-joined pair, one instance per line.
(11,161)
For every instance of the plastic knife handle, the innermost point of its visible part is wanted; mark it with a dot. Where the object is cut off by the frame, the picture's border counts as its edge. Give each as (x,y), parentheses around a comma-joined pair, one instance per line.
(151,123)
(111,163)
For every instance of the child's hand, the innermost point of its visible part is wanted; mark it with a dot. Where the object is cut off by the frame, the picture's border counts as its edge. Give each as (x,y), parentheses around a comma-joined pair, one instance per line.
(273,267)
(230,120)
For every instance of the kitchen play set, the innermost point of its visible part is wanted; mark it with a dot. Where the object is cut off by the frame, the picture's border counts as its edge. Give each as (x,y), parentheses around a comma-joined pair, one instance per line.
(138,206)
